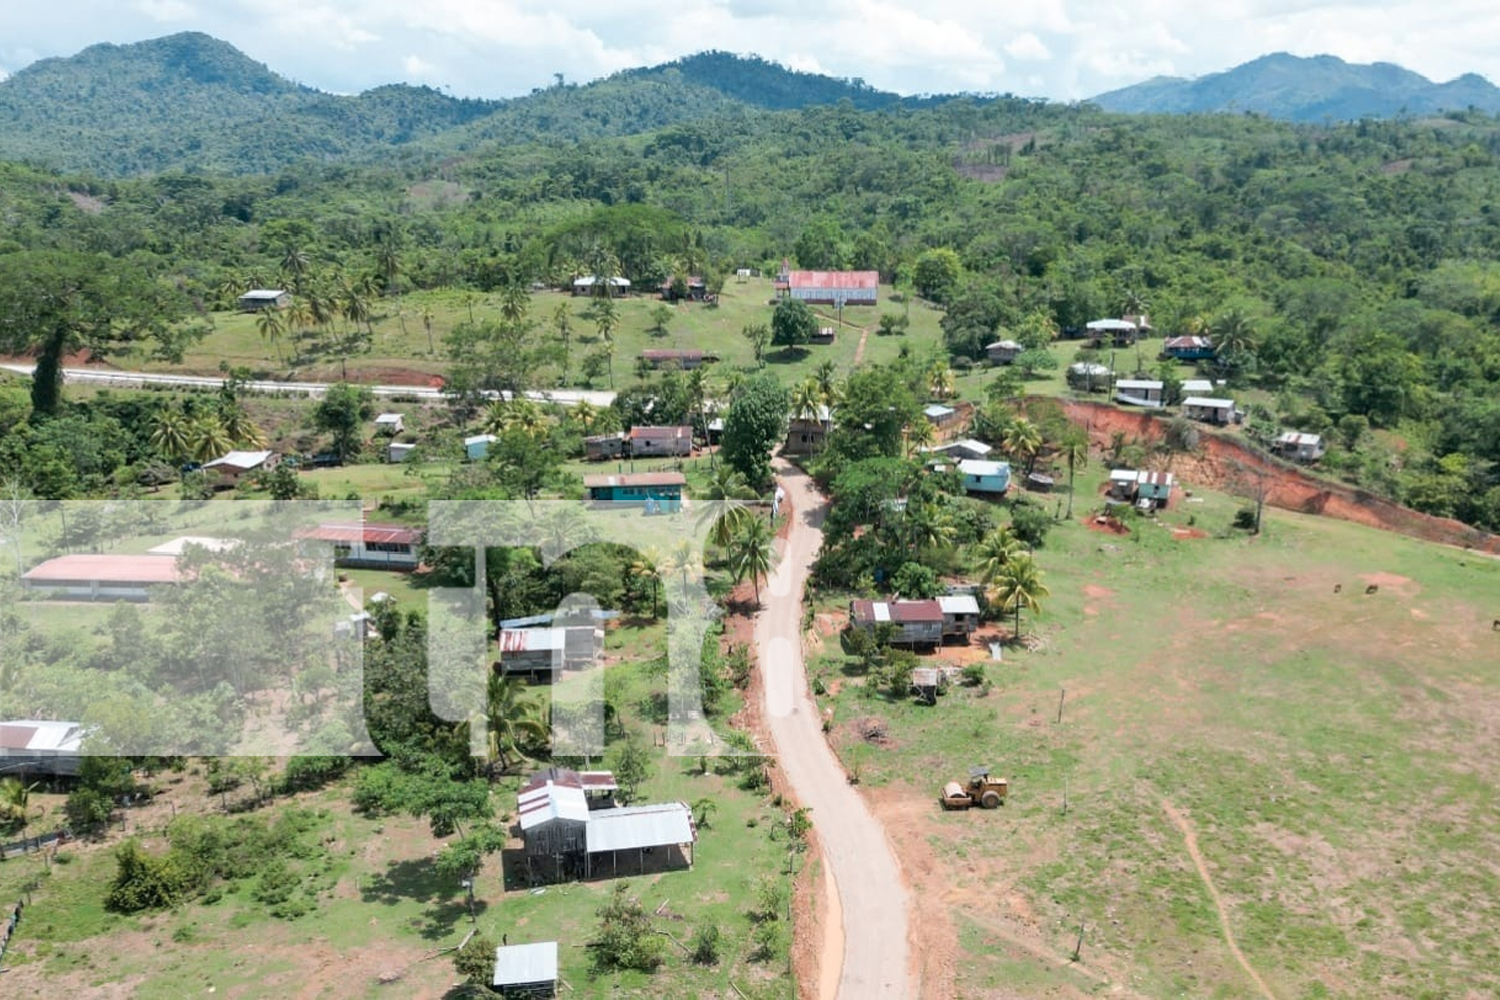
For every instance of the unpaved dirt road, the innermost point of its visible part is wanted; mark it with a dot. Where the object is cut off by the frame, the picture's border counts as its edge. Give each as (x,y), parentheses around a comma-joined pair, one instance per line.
(872,899)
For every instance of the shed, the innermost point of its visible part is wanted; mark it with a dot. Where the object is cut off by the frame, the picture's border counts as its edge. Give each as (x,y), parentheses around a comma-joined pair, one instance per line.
(1123,483)
(599,447)
(981,476)
(539,653)
(648,442)
(962,449)
(399,451)
(807,432)
(939,415)
(1089,376)
(389,423)
(925,682)
(478,446)
(1300,446)
(585,285)
(526,970)
(38,746)
(656,491)
(1197,386)
(554,820)
(229,469)
(1213,411)
(825,335)
(1153,488)
(1140,392)
(1120,332)
(1002,352)
(264,298)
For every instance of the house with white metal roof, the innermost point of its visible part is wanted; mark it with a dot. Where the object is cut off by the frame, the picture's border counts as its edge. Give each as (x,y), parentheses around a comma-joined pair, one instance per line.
(1209,410)
(1300,446)
(960,615)
(231,468)
(38,746)
(1140,392)
(526,970)
(980,476)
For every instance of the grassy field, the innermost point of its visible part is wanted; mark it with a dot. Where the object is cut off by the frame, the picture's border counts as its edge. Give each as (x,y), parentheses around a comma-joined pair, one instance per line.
(383,913)
(1330,752)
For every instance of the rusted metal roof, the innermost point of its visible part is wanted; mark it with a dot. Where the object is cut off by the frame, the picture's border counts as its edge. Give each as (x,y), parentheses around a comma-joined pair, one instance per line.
(105,568)
(387,534)
(916,611)
(834,279)
(668,433)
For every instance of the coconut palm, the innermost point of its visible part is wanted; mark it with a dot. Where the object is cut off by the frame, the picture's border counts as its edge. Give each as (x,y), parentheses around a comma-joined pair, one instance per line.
(426,317)
(1074,447)
(272,327)
(586,414)
(515,303)
(170,435)
(919,435)
(513,719)
(238,427)
(940,381)
(1023,440)
(646,569)
(726,496)
(995,550)
(751,554)
(295,264)
(562,321)
(807,400)
(207,438)
(1233,334)
(1018,585)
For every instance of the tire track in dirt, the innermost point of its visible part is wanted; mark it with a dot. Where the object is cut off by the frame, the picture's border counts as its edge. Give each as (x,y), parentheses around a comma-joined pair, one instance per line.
(1190,838)
(859,351)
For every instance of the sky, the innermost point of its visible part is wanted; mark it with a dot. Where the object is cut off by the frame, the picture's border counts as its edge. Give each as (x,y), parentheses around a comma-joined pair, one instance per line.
(1058,49)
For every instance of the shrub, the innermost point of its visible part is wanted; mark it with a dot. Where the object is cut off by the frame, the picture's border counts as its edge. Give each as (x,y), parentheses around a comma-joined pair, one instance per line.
(1030,524)
(625,938)
(973,674)
(705,945)
(475,961)
(144,881)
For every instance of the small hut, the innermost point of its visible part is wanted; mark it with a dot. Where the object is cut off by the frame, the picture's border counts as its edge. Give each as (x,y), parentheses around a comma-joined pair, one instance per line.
(526,970)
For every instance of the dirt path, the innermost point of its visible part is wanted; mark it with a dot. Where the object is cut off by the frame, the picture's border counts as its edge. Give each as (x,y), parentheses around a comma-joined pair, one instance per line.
(872,900)
(1191,839)
(859,352)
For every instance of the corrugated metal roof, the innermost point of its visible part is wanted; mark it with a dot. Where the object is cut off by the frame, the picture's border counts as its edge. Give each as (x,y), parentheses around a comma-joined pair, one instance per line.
(1186,343)
(636,479)
(1154,478)
(390,534)
(594,781)
(671,433)
(1128,384)
(105,568)
(983,468)
(1110,324)
(967,444)
(925,677)
(1300,438)
(524,964)
(531,640)
(264,293)
(1197,386)
(388,418)
(916,611)
(41,734)
(937,410)
(549,803)
(959,604)
(240,460)
(671,354)
(661,825)
(176,546)
(834,279)
(480,439)
(1209,404)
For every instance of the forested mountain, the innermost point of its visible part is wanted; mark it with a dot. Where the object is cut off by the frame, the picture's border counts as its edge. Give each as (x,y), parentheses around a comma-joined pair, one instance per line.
(189,101)
(1316,89)
(192,101)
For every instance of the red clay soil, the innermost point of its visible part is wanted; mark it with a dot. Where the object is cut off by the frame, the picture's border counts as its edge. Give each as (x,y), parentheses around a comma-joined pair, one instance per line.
(1220,462)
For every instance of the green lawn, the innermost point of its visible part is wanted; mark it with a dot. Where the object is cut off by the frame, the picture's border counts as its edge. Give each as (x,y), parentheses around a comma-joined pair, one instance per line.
(1332,751)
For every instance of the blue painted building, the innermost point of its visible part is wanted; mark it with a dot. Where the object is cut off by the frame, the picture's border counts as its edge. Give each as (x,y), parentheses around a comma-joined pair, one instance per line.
(984,477)
(653,492)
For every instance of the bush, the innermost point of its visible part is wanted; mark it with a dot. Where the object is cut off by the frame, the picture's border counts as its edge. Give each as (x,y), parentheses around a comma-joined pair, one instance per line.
(1030,524)
(625,938)
(144,881)
(705,945)
(475,961)
(88,808)
(309,773)
(973,674)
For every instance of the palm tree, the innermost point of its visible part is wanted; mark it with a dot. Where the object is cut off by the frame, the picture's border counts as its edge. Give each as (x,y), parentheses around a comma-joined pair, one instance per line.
(271,327)
(562,320)
(1019,585)
(1233,335)
(807,400)
(1023,440)
(170,436)
(940,381)
(829,391)
(294,264)
(426,315)
(207,438)
(727,494)
(751,553)
(995,551)
(647,568)
(15,801)
(1075,451)
(515,303)
(513,719)
(586,414)
(918,436)
(238,426)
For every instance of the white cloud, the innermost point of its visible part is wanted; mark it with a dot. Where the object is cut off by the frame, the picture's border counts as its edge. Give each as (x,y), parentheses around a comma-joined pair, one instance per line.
(1065,49)
(166,10)
(1027,46)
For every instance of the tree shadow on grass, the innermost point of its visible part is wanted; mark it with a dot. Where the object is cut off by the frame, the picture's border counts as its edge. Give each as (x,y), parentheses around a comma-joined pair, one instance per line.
(441,919)
(408,880)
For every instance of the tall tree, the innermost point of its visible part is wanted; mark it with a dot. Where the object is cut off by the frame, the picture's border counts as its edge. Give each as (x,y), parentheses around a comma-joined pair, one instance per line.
(1074,447)
(272,327)
(1018,585)
(513,719)
(342,412)
(755,424)
(793,324)
(750,553)
(53,303)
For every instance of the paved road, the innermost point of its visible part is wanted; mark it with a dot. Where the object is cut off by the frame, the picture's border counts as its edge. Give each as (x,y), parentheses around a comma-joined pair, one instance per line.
(99,376)
(865,872)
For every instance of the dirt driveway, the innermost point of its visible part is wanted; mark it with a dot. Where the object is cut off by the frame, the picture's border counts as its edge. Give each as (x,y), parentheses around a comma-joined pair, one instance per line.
(872,899)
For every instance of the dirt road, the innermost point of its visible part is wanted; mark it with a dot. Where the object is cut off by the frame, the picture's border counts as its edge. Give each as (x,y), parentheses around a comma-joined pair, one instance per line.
(872,899)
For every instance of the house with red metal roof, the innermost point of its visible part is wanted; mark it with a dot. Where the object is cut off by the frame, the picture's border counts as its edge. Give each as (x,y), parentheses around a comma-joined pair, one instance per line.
(917,623)
(381,546)
(657,491)
(652,442)
(850,288)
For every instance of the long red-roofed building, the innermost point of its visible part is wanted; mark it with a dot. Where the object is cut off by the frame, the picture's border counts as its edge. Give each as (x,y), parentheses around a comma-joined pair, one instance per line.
(102,576)
(367,544)
(854,288)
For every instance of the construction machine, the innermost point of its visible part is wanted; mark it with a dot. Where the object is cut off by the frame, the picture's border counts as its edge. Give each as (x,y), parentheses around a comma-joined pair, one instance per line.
(982,791)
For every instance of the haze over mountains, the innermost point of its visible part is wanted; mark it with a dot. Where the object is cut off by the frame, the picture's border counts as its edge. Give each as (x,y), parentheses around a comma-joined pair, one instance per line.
(190,101)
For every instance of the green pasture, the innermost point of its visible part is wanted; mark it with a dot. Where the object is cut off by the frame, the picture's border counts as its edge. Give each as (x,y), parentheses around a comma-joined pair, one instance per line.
(1332,749)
